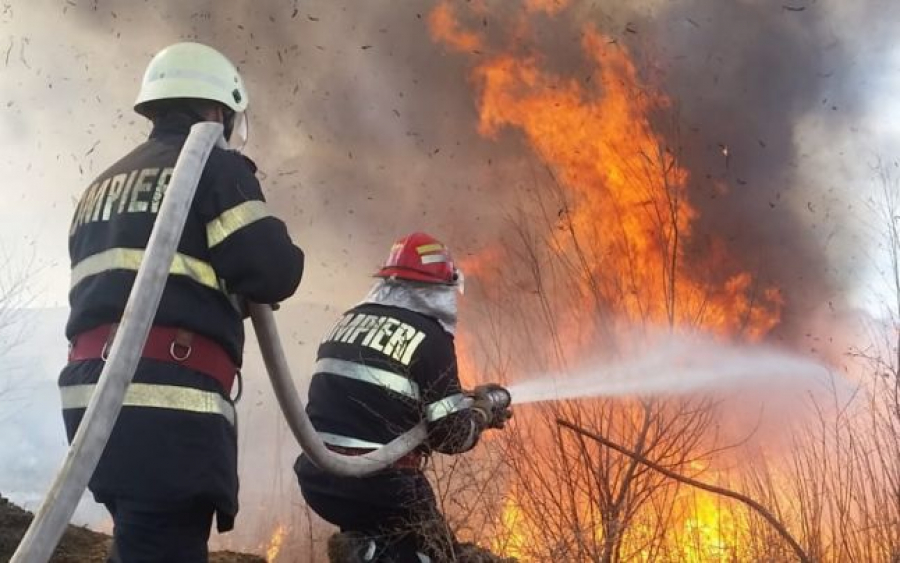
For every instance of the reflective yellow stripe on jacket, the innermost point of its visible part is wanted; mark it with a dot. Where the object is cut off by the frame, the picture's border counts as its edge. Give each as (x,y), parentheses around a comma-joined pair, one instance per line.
(233,220)
(148,395)
(369,374)
(130,259)
(201,272)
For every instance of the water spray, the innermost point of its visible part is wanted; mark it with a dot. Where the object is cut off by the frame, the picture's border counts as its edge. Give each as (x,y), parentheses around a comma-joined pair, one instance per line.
(675,366)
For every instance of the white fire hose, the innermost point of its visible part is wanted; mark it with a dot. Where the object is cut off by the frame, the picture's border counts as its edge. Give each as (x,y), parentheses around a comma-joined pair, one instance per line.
(56,510)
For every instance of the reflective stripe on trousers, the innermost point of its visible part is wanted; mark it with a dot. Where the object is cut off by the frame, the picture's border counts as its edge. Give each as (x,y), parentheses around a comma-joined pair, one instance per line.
(149,395)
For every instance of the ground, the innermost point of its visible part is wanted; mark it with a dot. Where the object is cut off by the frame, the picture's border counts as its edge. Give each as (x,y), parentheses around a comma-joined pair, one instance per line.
(78,544)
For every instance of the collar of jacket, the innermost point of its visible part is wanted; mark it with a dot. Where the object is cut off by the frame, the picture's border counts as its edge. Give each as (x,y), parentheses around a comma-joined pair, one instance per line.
(173,123)
(436,301)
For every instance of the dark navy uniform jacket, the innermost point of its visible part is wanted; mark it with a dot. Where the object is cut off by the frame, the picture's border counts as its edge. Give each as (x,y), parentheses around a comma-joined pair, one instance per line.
(175,439)
(230,244)
(380,371)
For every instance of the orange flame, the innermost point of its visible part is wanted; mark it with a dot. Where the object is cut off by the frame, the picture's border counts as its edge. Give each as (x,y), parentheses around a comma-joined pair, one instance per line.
(547,6)
(622,182)
(514,541)
(706,529)
(626,215)
(444,27)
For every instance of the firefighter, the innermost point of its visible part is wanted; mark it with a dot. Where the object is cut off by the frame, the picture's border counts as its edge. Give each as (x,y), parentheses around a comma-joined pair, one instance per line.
(388,363)
(170,464)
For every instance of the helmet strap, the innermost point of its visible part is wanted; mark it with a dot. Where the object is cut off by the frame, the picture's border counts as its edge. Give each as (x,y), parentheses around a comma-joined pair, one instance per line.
(228,122)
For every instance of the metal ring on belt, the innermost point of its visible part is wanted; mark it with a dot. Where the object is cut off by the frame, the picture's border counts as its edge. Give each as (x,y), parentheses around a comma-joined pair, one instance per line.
(175,356)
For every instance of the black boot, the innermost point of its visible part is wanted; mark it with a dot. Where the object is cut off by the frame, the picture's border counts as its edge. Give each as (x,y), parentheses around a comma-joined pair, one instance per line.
(351,547)
(471,553)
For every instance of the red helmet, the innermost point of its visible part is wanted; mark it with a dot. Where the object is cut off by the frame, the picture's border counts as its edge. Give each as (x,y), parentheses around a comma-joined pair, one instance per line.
(420,257)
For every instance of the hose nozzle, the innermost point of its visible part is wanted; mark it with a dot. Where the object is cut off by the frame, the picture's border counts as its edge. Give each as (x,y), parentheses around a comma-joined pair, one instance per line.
(494,401)
(499,397)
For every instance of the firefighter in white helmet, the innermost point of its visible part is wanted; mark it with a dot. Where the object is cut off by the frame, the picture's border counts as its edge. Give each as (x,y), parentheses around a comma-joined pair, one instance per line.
(389,363)
(171,462)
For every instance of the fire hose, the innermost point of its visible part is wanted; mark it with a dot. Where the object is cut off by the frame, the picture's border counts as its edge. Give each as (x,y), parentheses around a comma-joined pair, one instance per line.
(59,504)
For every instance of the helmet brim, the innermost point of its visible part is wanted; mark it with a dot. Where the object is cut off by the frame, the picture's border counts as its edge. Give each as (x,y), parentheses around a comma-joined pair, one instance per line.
(409,274)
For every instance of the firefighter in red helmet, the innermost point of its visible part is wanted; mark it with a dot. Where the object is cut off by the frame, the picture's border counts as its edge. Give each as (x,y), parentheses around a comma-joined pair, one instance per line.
(387,364)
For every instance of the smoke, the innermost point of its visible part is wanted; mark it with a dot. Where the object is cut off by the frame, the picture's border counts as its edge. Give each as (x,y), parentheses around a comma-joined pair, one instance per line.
(776,87)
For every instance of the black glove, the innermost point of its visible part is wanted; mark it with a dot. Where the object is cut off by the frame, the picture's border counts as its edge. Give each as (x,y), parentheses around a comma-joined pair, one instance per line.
(491,403)
(242,305)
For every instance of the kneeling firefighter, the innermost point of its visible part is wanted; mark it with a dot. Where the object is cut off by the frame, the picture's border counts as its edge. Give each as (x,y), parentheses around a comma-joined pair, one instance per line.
(389,363)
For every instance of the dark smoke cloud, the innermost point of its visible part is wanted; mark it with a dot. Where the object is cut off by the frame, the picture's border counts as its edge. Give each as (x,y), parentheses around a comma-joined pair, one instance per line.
(750,76)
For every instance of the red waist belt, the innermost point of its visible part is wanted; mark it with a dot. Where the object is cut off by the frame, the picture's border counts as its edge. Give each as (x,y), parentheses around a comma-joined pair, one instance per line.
(164,344)
(412,460)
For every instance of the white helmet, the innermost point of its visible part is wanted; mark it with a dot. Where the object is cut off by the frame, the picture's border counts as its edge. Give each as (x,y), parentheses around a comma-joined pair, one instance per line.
(191,70)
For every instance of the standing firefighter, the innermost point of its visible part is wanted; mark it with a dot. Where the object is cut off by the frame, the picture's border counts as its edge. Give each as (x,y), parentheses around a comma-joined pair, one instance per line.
(171,461)
(389,363)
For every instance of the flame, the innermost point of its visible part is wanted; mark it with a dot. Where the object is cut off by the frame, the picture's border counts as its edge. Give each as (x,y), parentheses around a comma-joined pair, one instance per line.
(601,145)
(275,543)
(625,218)
(443,26)
(547,6)
(513,542)
(705,529)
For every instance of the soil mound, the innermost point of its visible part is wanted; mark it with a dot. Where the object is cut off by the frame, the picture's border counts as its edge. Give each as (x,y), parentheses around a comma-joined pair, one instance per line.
(78,544)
